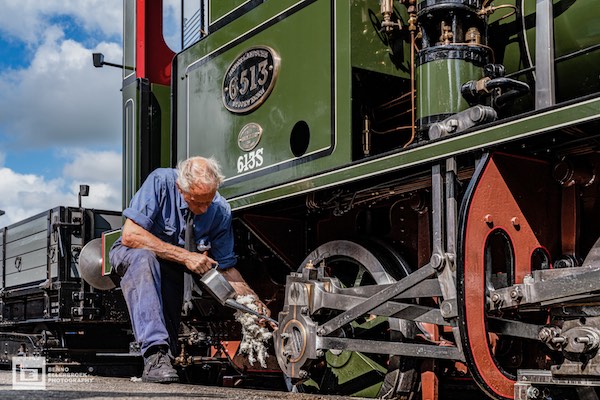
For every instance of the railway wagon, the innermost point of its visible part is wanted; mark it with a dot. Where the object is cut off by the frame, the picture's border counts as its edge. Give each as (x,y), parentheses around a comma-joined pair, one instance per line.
(45,306)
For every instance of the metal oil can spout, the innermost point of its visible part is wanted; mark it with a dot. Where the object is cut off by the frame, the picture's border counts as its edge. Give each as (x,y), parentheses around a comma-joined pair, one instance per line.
(234,304)
(222,291)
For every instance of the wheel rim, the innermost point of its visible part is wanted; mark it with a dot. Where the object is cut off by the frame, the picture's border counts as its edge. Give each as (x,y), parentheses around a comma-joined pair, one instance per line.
(493,254)
(355,373)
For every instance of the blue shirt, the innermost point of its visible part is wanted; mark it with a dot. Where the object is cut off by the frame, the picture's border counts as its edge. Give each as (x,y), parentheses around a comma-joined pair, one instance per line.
(159,208)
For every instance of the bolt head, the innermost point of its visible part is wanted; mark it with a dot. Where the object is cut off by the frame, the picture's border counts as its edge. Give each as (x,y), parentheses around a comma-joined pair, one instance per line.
(488,219)
(545,335)
(446,309)
(303,374)
(516,293)
(436,261)
(533,392)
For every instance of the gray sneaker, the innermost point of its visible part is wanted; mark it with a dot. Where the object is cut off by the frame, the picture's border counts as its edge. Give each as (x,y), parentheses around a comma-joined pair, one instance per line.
(158,369)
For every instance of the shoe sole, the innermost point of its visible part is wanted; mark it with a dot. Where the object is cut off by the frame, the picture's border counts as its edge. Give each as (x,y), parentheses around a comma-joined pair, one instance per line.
(160,380)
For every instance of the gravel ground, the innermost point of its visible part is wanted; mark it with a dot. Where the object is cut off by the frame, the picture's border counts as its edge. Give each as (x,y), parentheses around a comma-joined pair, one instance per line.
(97,387)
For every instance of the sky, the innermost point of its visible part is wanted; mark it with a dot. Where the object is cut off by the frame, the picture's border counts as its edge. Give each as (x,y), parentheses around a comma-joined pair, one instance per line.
(60,118)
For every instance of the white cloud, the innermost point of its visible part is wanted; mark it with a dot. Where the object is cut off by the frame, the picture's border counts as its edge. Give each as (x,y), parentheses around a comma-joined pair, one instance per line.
(60,98)
(24,195)
(87,164)
(28,19)
(21,194)
(100,170)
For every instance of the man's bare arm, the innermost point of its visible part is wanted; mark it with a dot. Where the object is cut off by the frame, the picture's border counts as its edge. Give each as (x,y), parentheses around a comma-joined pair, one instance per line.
(236,280)
(136,237)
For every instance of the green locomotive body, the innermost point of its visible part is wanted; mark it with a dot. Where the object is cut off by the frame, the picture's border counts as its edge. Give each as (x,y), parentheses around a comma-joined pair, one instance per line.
(299,111)
(413,182)
(333,68)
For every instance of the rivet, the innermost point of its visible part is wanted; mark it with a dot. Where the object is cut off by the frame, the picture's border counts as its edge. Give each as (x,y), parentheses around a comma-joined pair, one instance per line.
(488,219)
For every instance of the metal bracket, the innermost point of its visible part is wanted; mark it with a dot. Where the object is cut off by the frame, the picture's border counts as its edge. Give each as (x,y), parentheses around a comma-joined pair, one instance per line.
(89,312)
(548,287)
(376,300)
(395,348)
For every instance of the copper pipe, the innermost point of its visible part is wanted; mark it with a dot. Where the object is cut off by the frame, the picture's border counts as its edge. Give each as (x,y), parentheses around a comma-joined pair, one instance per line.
(394,102)
(393,117)
(396,129)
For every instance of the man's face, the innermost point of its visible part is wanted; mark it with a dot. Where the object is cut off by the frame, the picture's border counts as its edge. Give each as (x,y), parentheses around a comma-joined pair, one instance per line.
(199,198)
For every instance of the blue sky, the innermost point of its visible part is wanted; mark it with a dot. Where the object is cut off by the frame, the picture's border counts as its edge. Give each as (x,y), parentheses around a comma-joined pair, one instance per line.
(60,118)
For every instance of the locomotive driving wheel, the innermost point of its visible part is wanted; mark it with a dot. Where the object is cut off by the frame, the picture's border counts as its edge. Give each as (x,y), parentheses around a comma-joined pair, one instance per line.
(355,373)
(506,231)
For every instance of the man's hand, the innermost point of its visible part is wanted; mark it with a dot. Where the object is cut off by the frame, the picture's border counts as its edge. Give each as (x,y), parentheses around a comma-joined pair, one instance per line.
(135,236)
(241,288)
(263,309)
(199,263)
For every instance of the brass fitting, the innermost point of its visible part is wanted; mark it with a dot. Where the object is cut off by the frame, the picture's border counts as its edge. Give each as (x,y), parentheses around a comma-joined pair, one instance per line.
(447,35)
(473,36)
(387,10)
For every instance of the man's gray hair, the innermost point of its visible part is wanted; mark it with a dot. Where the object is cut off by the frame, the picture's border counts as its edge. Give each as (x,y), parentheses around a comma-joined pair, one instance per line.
(199,171)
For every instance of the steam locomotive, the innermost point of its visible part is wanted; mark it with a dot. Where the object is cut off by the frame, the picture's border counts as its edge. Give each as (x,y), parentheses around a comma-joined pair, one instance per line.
(413,186)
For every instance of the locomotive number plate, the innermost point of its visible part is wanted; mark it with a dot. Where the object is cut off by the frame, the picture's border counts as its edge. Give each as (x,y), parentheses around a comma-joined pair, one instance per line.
(250,79)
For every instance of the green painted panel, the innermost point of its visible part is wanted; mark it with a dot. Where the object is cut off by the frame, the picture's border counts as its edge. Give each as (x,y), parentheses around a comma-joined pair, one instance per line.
(304,91)
(575,28)
(439,83)
(163,96)
(108,239)
(350,366)
(370,47)
(129,27)
(131,158)
(219,8)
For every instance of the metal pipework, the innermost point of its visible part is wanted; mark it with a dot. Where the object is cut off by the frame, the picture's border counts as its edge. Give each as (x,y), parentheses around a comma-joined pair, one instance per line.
(544,55)
(454,50)
(475,91)
(461,121)
(387,10)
